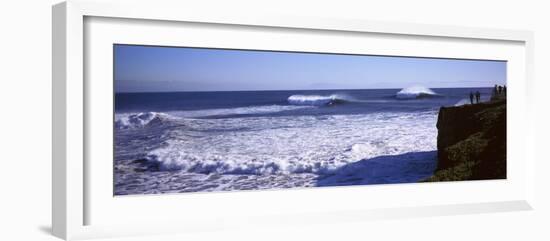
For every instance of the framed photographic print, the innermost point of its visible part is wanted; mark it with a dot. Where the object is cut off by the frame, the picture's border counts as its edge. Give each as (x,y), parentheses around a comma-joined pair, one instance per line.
(193,119)
(226,121)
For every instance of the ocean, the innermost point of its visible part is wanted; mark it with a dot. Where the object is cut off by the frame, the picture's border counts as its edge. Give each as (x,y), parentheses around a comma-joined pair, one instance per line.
(250,140)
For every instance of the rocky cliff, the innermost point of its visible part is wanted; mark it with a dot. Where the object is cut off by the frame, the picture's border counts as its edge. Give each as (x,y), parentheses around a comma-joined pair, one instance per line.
(471,142)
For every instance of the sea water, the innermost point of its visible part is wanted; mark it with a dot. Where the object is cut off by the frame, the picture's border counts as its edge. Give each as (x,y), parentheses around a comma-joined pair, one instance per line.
(250,140)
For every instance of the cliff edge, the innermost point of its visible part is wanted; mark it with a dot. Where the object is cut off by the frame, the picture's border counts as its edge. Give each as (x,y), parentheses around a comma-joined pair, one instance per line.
(471,142)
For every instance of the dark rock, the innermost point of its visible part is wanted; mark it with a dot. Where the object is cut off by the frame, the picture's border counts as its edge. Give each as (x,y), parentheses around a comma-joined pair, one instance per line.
(471,142)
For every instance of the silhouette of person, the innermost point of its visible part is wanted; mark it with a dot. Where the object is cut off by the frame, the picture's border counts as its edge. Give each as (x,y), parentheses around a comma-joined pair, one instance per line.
(478,95)
(504,89)
(471,98)
(499,89)
(495,90)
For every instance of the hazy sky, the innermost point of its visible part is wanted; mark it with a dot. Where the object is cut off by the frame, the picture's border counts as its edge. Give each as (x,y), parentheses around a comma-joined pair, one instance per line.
(157,69)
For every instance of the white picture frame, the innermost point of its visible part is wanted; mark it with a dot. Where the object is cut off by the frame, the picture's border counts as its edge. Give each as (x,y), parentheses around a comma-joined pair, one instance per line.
(73,185)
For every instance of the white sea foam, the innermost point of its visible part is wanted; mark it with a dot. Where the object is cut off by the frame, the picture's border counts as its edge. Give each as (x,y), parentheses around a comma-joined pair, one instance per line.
(318,100)
(414,92)
(265,109)
(290,145)
(136,120)
(462,102)
(141,119)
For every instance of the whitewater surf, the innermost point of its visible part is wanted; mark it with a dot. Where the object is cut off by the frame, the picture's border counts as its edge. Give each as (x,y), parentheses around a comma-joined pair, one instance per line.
(415,92)
(220,141)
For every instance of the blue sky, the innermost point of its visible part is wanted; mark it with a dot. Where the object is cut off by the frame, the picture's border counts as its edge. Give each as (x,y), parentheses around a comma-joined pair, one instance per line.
(159,69)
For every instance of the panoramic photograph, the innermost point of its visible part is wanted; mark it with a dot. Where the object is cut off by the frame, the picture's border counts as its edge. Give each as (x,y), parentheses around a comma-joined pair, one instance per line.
(192,119)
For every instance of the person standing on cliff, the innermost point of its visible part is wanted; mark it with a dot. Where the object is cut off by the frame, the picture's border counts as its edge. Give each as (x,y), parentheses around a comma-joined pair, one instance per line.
(471,98)
(478,95)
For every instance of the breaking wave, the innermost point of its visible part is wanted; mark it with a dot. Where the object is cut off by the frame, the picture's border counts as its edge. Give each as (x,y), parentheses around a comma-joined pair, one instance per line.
(292,145)
(250,110)
(137,120)
(318,100)
(415,92)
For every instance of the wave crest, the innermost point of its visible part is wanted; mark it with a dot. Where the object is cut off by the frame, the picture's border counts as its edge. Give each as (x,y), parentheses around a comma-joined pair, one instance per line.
(249,110)
(173,158)
(137,120)
(318,100)
(142,119)
(415,92)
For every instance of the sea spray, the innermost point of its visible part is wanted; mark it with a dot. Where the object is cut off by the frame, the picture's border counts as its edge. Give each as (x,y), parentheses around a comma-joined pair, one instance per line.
(318,100)
(415,92)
